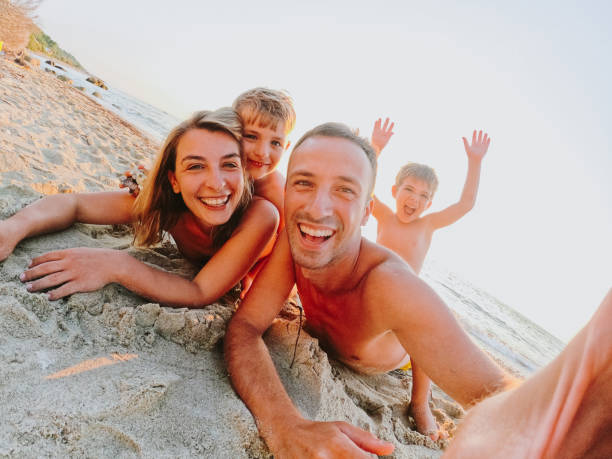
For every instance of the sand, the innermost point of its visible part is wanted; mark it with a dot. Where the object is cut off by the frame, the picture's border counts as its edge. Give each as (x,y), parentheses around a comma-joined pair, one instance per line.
(109,374)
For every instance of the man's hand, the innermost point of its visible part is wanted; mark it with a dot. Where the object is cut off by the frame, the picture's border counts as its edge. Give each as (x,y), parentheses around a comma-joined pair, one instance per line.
(73,270)
(310,439)
(381,134)
(479,147)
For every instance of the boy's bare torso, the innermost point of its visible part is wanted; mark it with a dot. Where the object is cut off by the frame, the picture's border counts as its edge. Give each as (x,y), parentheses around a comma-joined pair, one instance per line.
(409,240)
(349,322)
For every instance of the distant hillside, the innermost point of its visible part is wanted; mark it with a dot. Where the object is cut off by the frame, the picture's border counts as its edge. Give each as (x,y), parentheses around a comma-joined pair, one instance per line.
(42,43)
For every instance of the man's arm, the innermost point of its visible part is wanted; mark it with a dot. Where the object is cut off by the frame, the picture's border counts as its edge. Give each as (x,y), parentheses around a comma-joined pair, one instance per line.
(286,432)
(563,410)
(87,269)
(475,152)
(429,332)
(250,367)
(57,212)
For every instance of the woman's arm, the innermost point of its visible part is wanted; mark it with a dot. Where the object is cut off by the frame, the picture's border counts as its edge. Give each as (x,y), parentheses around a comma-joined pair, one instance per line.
(83,269)
(57,212)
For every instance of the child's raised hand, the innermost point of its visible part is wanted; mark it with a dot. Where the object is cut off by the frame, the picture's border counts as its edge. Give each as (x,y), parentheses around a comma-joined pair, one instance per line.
(479,146)
(381,134)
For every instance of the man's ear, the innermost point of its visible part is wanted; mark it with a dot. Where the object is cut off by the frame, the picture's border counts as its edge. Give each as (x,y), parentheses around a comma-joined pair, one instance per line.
(367,211)
(175,186)
(394,191)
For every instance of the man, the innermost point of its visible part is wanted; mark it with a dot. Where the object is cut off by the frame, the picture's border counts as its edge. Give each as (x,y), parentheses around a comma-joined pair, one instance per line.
(364,303)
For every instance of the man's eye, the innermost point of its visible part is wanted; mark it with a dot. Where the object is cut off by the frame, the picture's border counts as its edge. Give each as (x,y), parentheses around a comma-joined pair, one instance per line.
(301,183)
(250,136)
(231,165)
(192,167)
(424,196)
(347,190)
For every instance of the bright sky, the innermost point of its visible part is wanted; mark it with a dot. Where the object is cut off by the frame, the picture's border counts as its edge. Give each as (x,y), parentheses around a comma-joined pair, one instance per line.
(535,75)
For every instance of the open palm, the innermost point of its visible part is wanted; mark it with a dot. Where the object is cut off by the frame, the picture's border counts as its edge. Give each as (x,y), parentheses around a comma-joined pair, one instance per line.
(381,134)
(479,146)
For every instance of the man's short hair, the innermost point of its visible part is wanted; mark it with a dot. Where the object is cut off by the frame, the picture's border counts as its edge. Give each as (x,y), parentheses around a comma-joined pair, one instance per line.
(419,171)
(342,131)
(267,107)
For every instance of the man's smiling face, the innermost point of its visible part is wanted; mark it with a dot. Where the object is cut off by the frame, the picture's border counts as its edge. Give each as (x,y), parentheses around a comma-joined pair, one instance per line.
(327,200)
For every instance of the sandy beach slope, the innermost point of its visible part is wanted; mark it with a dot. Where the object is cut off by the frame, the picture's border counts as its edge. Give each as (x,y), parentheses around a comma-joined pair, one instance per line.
(109,374)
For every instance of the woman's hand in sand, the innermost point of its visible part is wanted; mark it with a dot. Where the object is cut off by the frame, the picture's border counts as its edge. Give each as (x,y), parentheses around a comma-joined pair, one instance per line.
(310,439)
(71,271)
(381,134)
(479,146)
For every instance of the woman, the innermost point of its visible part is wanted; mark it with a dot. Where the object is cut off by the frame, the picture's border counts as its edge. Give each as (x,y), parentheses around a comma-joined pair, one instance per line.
(198,191)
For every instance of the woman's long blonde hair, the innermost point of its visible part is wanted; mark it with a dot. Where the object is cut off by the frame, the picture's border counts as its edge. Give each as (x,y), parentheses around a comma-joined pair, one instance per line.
(157,208)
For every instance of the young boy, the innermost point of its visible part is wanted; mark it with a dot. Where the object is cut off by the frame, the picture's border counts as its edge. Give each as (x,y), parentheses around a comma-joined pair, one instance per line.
(409,234)
(268,116)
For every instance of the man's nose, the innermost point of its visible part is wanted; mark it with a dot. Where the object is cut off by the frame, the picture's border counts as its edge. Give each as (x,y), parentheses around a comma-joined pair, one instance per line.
(321,205)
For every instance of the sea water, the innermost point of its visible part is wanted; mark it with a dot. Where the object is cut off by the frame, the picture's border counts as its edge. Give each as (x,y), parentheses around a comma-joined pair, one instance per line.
(510,338)
(153,122)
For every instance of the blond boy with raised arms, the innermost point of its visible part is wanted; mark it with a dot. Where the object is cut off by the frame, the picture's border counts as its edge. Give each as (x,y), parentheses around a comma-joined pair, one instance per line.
(408,233)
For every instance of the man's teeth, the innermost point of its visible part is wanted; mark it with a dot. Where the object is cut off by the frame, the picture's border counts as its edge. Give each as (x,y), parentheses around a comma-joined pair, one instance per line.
(215,201)
(315,232)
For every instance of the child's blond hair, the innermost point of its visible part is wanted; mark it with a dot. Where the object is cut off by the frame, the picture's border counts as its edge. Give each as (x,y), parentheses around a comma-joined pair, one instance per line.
(266,107)
(419,171)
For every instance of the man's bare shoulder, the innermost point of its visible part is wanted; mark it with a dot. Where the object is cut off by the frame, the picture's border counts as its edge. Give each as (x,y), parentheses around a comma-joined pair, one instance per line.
(386,276)
(378,262)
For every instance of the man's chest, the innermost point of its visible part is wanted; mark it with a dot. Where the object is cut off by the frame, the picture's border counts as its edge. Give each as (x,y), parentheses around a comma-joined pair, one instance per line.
(340,322)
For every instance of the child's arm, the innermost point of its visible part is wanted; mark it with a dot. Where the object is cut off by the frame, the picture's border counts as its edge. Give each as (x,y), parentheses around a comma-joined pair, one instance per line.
(57,212)
(475,153)
(381,135)
(381,211)
(272,188)
(85,269)
(379,139)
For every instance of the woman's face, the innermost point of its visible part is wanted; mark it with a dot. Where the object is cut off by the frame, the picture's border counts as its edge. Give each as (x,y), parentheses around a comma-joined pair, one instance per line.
(209,175)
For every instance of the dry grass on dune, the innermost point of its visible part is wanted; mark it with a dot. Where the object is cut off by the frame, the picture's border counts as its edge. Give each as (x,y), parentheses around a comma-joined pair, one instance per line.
(16,24)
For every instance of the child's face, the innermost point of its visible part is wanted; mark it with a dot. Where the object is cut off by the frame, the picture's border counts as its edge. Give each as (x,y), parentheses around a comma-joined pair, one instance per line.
(412,198)
(263,147)
(208,174)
